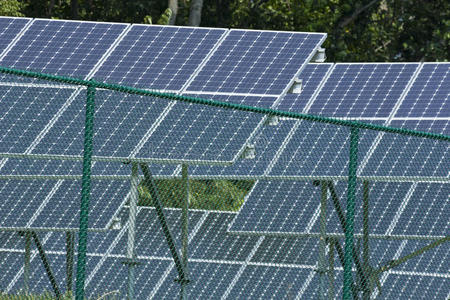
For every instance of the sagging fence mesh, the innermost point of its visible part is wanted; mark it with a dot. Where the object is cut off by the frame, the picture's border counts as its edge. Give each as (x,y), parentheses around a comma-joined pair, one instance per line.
(113,192)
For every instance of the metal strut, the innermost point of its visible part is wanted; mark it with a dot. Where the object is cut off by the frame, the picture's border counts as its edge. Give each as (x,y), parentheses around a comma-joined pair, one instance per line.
(46,264)
(342,220)
(153,189)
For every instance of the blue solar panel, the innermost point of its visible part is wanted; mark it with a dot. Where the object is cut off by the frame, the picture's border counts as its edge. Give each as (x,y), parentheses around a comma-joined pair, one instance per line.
(55,203)
(397,155)
(266,282)
(429,94)
(363,90)
(266,143)
(311,78)
(257,62)
(201,133)
(13,282)
(9,28)
(62,47)
(26,113)
(112,276)
(430,217)
(125,126)
(212,241)
(319,149)
(119,123)
(208,279)
(158,57)
(287,206)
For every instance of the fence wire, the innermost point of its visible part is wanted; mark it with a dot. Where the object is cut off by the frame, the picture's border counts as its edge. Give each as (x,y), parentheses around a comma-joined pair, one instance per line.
(157,195)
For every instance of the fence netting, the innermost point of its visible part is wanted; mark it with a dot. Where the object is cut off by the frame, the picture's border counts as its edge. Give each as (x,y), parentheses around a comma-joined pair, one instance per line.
(110,192)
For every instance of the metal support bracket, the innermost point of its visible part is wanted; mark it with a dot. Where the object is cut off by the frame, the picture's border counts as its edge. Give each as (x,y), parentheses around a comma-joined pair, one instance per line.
(153,189)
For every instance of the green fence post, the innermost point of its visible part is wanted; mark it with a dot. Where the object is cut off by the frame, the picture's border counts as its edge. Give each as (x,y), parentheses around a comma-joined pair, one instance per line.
(351,195)
(85,192)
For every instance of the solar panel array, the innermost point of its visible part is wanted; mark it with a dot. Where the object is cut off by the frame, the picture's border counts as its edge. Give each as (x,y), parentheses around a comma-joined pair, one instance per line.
(239,66)
(220,265)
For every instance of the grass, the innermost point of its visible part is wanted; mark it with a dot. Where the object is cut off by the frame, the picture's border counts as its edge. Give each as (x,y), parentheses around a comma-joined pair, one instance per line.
(222,195)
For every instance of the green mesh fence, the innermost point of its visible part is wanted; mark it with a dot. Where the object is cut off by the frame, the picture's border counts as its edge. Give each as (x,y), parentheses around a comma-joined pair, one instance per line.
(157,195)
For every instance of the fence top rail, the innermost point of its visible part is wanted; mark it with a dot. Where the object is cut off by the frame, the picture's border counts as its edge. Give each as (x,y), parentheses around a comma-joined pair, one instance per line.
(221,104)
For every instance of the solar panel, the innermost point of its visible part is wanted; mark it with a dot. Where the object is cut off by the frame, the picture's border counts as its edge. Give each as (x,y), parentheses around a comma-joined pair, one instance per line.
(266,143)
(256,62)
(426,157)
(359,90)
(281,266)
(429,95)
(270,139)
(158,57)
(221,134)
(62,47)
(9,28)
(311,78)
(13,277)
(54,204)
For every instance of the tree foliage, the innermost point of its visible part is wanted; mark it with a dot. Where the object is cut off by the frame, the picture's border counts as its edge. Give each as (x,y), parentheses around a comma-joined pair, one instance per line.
(358,30)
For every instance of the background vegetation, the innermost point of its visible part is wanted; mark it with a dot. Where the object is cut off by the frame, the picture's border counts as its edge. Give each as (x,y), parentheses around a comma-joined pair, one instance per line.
(358,30)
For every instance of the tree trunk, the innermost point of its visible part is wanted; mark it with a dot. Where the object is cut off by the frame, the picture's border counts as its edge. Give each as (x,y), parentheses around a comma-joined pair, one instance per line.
(74,8)
(195,14)
(173,5)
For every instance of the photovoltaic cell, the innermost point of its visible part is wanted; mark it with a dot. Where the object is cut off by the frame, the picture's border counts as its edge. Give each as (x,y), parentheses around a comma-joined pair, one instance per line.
(424,157)
(158,57)
(111,278)
(202,133)
(62,47)
(257,62)
(44,204)
(363,90)
(266,143)
(208,279)
(429,94)
(317,149)
(269,282)
(25,113)
(311,77)
(124,126)
(9,28)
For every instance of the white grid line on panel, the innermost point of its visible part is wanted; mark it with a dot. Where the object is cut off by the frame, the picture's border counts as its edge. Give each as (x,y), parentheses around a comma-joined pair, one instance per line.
(172,264)
(16,39)
(20,273)
(70,100)
(169,107)
(388,121)
(241,270)
(297,123)
(383,278)
(230,94)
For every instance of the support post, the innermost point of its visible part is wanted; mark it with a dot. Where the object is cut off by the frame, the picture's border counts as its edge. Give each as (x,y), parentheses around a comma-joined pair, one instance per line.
(46,264)
(69,260)
(184,234)
(366,291)
(26,268)
(132,230)
(85,192)
(331,270)
(351,196)
(322,243)
(150,183)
